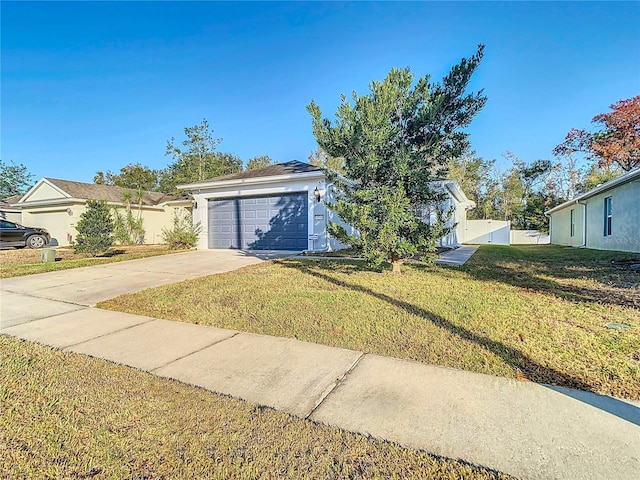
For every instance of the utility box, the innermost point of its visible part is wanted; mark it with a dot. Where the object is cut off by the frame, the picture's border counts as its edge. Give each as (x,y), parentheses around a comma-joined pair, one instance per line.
(48,255)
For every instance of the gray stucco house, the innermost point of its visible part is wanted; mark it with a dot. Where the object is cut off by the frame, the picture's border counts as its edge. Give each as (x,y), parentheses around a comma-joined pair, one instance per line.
(605,218)
(282,207)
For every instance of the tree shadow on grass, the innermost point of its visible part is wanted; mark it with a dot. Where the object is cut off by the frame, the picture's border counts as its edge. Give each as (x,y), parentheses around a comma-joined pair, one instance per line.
(602,294)
(523,366)
(520,363)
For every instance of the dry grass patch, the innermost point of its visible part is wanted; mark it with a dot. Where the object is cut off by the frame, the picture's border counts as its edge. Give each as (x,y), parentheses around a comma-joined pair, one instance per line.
(65,415)
(25,261)
(513,312)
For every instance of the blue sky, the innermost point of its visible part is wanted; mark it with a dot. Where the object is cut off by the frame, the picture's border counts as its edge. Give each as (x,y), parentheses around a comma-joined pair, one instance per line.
(90,86)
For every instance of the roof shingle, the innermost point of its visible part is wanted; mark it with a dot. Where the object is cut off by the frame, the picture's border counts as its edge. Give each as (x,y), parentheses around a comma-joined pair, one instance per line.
(274,170)
(110,193)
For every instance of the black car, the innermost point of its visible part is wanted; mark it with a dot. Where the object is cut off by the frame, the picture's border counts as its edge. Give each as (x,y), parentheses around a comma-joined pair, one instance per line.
(15,235)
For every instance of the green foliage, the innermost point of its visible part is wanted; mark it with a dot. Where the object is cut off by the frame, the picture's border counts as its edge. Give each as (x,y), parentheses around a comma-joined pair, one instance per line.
(197,159)
(474,175)
(597,176)
(394,142)
(320,158)
(127,229)
(95,229)
(184,233)
(259,162)
(136,176)
(15,179)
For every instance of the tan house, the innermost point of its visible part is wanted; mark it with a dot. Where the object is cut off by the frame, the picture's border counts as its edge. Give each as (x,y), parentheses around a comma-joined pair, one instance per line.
(57,205)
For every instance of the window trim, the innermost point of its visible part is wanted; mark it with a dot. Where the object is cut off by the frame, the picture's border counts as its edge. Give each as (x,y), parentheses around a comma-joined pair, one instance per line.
(573,222)
(608,216)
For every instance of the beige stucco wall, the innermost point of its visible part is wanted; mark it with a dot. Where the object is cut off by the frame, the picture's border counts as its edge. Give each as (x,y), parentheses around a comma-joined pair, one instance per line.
(61,221)
(11,215)
(625,229)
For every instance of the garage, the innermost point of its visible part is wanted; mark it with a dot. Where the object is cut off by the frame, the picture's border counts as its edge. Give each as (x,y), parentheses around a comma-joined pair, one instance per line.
(265,222)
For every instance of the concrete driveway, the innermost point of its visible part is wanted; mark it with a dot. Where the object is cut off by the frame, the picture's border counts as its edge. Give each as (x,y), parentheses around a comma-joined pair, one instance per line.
(85,287)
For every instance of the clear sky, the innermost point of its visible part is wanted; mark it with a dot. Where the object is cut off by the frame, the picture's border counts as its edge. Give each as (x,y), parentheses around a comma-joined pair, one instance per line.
(90,86)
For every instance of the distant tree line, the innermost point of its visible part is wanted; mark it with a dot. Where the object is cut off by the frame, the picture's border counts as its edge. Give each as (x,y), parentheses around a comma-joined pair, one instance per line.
(194,159)
(525,190)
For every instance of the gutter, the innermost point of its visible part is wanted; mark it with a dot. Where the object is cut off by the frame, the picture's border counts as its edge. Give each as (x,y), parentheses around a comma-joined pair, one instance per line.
(198,186)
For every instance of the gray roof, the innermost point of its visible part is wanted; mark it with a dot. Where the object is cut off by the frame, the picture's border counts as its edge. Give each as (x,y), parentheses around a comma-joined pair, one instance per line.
(274,170)
(91,191)
(10,200)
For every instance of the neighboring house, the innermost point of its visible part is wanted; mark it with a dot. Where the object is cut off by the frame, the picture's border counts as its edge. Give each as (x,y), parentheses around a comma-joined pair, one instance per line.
(605,218)
(281,207)
(57,205)
(9,210)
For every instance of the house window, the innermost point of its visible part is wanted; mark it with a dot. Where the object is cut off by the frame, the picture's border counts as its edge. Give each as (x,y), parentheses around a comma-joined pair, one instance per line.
(607,216)
(573,222)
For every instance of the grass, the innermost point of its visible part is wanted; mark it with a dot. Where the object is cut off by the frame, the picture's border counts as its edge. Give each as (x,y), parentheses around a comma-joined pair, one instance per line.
(536,313)
(15,263)
(65,415)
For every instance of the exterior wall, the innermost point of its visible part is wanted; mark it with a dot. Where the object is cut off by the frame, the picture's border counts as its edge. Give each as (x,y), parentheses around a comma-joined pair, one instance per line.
(561,226)
(61,221)
(317,211)
(488,232)
(625,231)
(154,219)
(11,215)
(625,228)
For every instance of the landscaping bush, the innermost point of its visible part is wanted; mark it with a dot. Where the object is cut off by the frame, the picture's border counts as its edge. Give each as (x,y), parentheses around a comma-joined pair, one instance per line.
(95,229)
(184,233)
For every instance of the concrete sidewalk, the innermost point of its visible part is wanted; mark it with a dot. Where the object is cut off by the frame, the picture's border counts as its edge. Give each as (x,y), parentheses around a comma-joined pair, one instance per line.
(457,256)
(524,429)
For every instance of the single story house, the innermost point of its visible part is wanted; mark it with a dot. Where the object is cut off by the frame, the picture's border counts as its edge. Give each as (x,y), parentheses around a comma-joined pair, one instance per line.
(604,218)
(281,207)
(57,205)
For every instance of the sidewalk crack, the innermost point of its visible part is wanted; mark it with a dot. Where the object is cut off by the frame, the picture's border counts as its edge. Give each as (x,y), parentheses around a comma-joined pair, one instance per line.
(194,352)
(339,381)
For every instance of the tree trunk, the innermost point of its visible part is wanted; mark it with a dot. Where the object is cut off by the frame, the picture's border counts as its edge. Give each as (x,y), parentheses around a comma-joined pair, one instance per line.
(396,265)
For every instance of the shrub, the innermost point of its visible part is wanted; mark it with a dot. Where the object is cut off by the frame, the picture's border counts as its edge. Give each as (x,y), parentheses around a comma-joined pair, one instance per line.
(95,229)
(184,233)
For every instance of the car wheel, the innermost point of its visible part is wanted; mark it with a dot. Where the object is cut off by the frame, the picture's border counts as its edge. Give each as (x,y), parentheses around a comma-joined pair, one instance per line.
(36,241)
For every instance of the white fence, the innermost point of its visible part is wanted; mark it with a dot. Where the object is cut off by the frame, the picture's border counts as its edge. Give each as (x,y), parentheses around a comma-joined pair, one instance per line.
(488,232)
(529,237)
(498,232)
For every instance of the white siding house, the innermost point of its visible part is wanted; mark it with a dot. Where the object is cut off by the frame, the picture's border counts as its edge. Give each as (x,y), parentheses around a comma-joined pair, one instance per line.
(282,207)
(605,218)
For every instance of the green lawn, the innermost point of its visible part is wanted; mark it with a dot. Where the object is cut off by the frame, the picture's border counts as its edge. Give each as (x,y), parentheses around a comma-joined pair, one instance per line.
(536,313)
(65,415)
(16,263)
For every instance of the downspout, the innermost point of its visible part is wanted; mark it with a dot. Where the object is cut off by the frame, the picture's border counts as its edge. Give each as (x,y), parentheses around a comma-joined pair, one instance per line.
(584,223)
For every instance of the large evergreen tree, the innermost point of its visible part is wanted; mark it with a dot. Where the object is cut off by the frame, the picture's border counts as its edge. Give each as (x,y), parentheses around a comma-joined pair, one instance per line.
(395,141)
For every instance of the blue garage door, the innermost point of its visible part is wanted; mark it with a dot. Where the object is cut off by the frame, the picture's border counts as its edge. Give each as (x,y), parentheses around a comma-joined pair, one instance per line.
(261,223)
